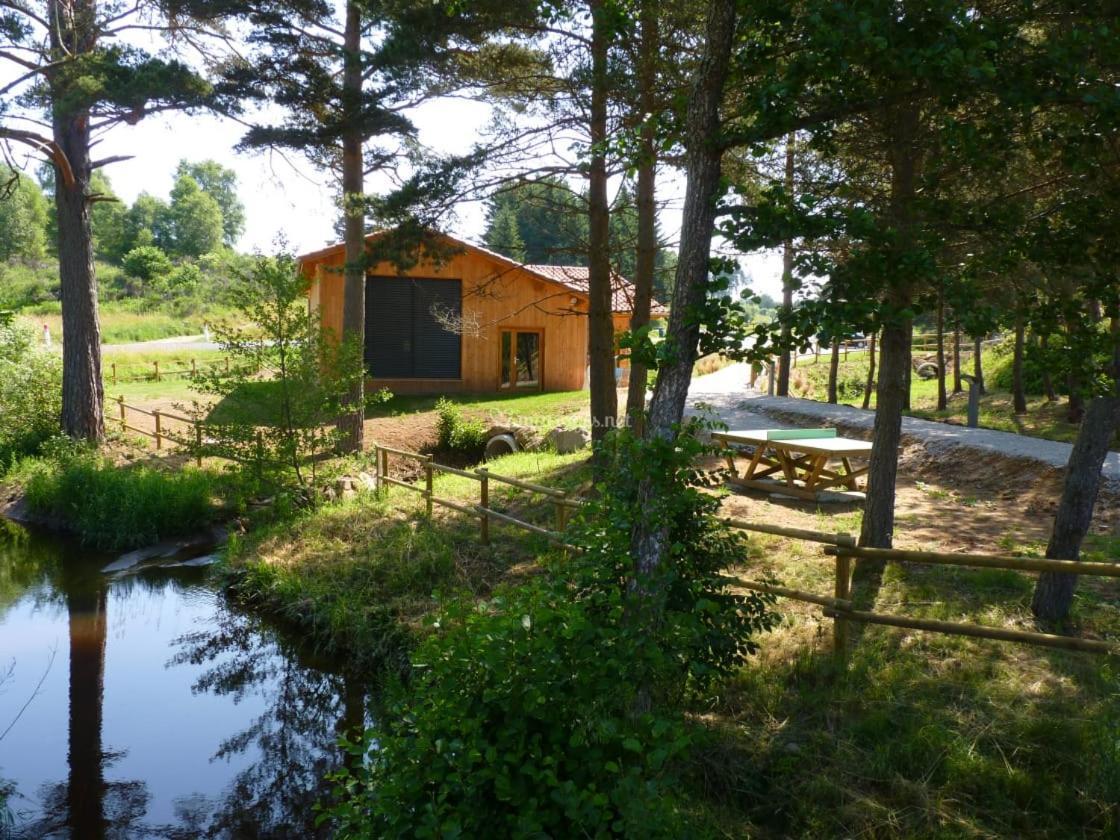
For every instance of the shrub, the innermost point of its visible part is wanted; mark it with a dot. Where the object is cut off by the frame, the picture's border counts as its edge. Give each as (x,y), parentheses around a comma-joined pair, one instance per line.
(30,392)
(557,708)
(113,507)
(1000,373)
(457,434)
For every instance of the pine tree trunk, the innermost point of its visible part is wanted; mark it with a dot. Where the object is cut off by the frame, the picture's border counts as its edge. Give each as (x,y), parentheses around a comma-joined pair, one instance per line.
(352,424)
(703,159)
(870,384)
(957,382)
(978,363)
(604,396)
(1075,407)
(82,392)
(893,394)
(787,281)
(909,367)
(942,396)
(878,509)
(1053,594)
(833,370)
(1047,379)
(646,257)
(85,788)
(1018,390)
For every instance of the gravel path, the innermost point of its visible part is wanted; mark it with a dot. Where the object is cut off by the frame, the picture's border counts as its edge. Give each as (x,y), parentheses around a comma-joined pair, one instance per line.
(741,408)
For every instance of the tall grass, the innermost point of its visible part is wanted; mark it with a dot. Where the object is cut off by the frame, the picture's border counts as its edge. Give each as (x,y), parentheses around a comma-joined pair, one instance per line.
(115,507)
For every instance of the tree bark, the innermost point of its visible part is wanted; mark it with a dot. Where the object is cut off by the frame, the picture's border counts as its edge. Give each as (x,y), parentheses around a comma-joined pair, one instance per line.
(957,382)
(787,280)
(909,367)
(1075,407)
(601,349)
(703,157)
(893,394)
(978,362)
(82,392)
(870,384)
(1018,389)
(1053,594)
(645,262)
(85,788)
(942,396)
(833,370)
(1047,379)
(352,424)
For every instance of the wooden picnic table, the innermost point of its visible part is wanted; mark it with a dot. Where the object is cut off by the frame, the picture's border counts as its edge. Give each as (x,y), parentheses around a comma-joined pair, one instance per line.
(797,462)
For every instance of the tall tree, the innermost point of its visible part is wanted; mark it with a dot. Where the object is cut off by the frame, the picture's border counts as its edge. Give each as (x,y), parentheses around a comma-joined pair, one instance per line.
(220,183)
(74,65)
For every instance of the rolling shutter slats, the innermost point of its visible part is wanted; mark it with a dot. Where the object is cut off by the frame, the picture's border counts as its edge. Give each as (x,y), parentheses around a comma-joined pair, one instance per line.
(407,335)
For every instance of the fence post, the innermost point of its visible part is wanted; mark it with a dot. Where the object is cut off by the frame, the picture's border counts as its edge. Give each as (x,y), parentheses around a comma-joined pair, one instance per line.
(843,592)
(377,469)
(113,366)
(428,483)
(194,368)
(484,501)
(198,442)
(159,429)
(226,360)
(384,471)
(120,402)
(155,364)
(561,513)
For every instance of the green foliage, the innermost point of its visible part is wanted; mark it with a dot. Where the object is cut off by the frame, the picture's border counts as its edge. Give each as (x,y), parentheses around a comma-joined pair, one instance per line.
(196,219)
(456,433)
(23,217)
(556,708)
(220,183)
(113,507)
(307,370)
(146,263)
(23,285)
(30,392)
(503,236)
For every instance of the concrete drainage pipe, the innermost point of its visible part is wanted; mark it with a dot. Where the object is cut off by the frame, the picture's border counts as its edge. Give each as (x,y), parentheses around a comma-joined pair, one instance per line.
(500,445)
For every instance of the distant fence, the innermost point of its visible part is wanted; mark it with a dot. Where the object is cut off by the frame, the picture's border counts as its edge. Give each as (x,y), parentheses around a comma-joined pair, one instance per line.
(562,502)
(154,372)
(838,607)
(191,437)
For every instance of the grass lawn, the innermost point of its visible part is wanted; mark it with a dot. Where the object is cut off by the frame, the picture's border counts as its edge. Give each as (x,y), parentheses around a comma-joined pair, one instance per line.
(122,323)
(361,575)
(136,374)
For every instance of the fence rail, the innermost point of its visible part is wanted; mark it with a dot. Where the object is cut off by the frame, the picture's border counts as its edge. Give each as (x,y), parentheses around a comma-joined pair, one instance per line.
(560,500)
(160,434)
(156,373)
(839,607)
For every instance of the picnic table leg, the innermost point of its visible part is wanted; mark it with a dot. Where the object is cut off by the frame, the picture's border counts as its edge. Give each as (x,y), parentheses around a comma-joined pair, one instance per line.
(788,467)
(850,483)
(753,465)
(815,473)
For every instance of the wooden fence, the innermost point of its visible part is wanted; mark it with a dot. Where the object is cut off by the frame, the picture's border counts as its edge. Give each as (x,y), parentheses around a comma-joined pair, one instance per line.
(838,607)
(562,502)
(162,435)
(153,371)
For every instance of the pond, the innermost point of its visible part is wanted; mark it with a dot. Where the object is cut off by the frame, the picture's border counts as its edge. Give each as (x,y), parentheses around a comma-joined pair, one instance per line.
(147,705)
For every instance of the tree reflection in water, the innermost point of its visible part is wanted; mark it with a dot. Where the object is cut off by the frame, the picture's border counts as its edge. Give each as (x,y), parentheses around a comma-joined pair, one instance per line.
(309,706)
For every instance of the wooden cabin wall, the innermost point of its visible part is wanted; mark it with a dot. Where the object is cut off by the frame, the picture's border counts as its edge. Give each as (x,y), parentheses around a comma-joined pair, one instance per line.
(495,297)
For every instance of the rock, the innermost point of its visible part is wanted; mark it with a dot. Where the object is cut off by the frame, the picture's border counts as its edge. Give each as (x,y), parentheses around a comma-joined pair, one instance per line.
(368,482)
(344,487)
(565,441)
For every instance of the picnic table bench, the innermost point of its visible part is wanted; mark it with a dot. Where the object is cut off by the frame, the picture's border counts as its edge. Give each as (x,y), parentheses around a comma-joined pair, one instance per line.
(795,462)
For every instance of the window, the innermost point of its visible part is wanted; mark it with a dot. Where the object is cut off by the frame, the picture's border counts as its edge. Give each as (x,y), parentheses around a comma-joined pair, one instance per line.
(411,328)
(521,359)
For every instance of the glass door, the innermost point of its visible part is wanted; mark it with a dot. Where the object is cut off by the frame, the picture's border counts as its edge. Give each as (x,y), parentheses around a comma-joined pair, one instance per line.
(521,359)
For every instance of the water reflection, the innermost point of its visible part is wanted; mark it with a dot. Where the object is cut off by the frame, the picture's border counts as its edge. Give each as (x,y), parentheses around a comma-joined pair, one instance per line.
(166,713)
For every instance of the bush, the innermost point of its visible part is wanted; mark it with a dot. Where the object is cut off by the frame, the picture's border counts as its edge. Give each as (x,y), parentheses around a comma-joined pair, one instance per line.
(557,709)
(113,507)
(30,392)
(456,433)
(1000,361)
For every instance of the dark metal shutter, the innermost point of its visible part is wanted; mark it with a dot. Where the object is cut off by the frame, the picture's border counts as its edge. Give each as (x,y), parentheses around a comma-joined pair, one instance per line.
(407,335)
(389,345)
(437,314)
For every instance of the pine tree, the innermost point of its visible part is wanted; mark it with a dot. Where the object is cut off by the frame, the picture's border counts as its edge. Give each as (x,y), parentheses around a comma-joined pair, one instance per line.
(503,235)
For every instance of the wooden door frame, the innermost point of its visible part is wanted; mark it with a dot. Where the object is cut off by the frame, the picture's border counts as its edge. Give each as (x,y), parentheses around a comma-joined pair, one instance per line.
(512,387)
